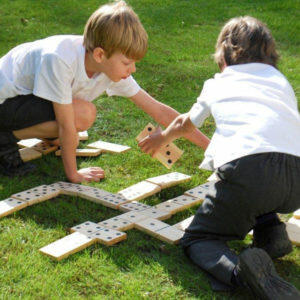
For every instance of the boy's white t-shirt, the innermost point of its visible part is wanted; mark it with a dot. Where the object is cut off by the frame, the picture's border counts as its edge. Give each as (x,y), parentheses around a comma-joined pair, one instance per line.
(53,68)
(255,110)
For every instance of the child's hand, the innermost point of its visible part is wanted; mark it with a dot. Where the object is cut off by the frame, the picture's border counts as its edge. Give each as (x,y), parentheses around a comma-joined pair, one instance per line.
(88,174)
(152,143)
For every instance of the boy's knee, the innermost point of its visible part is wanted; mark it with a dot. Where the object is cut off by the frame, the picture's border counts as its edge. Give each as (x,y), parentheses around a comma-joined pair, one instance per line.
(85,114)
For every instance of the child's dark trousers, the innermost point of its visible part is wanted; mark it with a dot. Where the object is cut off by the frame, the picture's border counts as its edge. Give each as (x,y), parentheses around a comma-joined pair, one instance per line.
(250,187)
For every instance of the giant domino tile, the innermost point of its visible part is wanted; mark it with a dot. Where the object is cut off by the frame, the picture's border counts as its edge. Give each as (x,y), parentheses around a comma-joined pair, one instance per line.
(136,215)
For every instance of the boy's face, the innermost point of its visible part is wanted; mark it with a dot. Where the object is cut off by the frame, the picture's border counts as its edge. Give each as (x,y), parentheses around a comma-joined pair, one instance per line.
(117,67)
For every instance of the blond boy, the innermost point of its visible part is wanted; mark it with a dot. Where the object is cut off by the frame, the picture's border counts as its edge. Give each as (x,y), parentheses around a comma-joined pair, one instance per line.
(46,87)
(255,152)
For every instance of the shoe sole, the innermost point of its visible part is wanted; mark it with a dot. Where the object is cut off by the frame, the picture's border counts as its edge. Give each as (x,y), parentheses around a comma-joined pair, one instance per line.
(261,277)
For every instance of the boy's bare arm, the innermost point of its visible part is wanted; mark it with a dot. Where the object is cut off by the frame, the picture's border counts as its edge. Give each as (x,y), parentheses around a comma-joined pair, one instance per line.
(69,141)
(164,115)
(181,126)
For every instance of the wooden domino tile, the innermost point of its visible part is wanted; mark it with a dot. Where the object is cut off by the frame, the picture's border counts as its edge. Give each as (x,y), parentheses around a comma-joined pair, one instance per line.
(68,245)
(44,148)
(293,230)
(170,179)
(83,135)
(93,194)
(149,129)
(156,213)
(108,237)
(168,155)
(170,235)
(83,152)
(198,191)
(150,226)
(117,223)
(71,189)
(87,227)
(186,201)
(182,225)
(213,177)
(28,143)
(133,216)
(140,191)
(10,205)
(170,207)
(133,206)
(28,154)
(37,194)
(109,147)
(295,221)
(113,200)
(296,214)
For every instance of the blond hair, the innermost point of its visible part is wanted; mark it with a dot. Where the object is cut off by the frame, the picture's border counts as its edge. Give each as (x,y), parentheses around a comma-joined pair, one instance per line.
(244,40)
(115,27)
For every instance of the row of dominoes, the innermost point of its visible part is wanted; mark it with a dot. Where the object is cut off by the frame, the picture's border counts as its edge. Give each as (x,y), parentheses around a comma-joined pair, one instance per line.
(35,148)
(137,215)
(142,217)
(135,192)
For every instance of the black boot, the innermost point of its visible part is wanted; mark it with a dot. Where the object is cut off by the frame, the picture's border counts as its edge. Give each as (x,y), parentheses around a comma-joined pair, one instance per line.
(273,239)
(256,271)
(10,159)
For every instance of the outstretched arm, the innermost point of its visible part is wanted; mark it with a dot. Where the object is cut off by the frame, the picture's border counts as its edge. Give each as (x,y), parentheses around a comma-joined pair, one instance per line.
(181,126)
(164,115)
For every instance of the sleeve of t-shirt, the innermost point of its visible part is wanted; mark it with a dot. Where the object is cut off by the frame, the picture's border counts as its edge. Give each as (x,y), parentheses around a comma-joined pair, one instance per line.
(200,110)
(53,79)
(126,88)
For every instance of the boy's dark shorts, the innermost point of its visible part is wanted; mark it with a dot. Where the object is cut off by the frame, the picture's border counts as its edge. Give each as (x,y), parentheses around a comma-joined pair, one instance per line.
(25,111)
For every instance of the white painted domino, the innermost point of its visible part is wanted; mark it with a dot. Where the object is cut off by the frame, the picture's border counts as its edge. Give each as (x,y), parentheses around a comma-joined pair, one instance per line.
(198,191)
(109,147)
(170,179)
(182,225)
(133,216)
(155,213)
(71,189)
(37,194)
(108,237)
(83,152)
(83,135)
(28,154)
(112,200)
(87,228)
(186,201)
(140,191)
(170,235)
(133,206)
(150,226)
(28,143)
(117,223)
(44,148)
(296,214)
(10,205)
(293,230)
(168,155)
(68,245)
(170,207)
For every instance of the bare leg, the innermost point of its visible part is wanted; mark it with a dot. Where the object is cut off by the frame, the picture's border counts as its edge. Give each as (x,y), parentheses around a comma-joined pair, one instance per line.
(85,115)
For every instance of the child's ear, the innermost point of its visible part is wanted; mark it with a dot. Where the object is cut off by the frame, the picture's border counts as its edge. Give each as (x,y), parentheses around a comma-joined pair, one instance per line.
(98,54)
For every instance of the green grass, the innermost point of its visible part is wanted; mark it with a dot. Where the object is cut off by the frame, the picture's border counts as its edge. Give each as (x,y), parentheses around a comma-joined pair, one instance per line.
(182,37)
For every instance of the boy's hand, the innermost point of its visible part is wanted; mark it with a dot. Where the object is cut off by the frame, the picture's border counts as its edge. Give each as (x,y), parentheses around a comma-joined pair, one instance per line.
(152,143)
(88,174)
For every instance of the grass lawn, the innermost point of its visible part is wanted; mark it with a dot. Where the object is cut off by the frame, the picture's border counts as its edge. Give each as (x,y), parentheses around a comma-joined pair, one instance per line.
(182,36)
